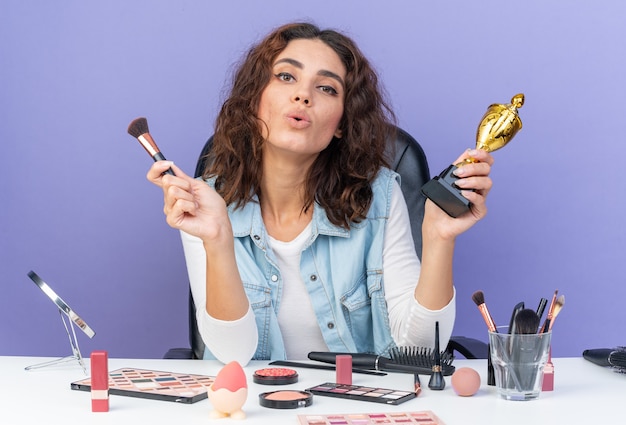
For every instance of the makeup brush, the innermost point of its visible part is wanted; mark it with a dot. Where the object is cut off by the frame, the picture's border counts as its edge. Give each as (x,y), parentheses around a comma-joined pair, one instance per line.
(546,324)
(612,357)
(541,307)
(479,299)
(523,350)
(548,371)
(518,307)
(436,381)
(417,384)
(138,128)
(526,322)
(558,306)
(323,367)
(400,362)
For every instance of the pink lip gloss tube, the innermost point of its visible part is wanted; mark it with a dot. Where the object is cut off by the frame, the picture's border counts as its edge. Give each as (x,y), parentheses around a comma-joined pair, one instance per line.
(99,381)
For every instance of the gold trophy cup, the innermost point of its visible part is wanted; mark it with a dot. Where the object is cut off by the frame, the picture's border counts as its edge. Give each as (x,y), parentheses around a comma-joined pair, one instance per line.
(497,128)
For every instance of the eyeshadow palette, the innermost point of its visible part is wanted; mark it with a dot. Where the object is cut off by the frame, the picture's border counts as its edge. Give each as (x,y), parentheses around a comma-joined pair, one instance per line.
(152,384)
(356,392)
(424,417)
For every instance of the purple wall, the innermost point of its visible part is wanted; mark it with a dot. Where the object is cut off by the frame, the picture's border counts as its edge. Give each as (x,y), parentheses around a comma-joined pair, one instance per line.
(77,209)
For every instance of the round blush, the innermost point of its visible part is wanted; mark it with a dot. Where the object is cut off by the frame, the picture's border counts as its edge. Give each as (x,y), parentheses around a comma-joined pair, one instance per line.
(275,376)
(286,395)
(286,399)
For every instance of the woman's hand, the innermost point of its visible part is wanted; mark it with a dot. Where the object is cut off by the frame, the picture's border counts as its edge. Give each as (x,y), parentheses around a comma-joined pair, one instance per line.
(190,204)
(475,184)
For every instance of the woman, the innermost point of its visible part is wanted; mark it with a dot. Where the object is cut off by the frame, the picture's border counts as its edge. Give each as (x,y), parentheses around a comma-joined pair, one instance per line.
(298,239)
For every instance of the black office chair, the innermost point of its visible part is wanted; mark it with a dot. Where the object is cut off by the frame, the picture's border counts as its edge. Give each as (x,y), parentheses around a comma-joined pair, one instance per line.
(409,160)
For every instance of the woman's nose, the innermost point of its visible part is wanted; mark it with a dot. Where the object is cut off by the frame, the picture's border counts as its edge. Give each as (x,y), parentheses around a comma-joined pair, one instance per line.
(303,99)
(302,95)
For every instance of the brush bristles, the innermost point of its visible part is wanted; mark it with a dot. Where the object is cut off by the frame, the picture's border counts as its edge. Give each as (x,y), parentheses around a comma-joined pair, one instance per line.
(558,306)
(422,357)
(138,127)
(552,304)
(478,297)
(526,322)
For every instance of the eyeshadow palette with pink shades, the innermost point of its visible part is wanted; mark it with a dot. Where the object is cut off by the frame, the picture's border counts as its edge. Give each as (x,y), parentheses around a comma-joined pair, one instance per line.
(152,384)
(356,392)
(424,417)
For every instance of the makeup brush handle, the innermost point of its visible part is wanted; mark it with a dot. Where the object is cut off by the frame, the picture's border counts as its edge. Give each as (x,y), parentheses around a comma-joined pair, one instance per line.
(366,361)
(370,361)
(323,367)
(159,157)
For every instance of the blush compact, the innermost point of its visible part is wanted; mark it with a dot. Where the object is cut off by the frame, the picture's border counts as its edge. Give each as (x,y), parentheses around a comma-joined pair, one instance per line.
(286,399)
(275,376)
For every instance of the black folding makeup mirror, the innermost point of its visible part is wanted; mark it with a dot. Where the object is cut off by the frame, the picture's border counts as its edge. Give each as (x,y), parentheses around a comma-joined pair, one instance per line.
(67,315)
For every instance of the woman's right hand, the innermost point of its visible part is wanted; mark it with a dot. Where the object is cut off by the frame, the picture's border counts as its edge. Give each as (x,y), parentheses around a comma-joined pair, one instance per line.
(190,204)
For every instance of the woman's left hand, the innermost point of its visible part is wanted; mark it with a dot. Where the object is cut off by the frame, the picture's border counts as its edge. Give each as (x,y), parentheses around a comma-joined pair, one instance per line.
(475,184)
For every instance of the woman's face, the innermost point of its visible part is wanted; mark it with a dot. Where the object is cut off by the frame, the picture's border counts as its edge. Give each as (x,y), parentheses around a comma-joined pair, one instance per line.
(302,105)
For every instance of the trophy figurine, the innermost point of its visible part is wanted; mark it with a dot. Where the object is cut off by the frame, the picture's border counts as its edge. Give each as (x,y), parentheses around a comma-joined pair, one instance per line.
(498,126)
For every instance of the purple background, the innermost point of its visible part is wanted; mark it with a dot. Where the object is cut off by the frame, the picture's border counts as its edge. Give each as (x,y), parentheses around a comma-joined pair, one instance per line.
(77,209)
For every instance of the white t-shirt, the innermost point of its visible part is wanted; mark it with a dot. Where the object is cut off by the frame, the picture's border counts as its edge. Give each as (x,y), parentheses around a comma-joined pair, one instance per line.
(411,323)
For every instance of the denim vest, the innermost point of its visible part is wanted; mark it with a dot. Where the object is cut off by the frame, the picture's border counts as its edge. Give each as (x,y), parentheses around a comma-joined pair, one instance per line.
(342,270)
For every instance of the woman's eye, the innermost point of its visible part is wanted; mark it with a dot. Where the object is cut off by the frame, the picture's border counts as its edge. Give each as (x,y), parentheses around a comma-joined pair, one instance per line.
(328,89)
(284,76)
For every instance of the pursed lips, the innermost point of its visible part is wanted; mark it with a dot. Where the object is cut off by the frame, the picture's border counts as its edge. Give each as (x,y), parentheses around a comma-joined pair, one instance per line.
(298,120)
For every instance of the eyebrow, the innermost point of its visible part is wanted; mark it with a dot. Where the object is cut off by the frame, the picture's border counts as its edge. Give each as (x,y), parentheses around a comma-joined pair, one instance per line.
(322,72)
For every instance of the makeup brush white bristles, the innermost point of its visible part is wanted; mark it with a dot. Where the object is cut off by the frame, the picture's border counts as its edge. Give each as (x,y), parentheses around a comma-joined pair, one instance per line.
(558,306)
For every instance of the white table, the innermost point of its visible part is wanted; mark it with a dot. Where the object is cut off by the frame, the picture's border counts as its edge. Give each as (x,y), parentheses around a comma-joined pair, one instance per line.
(584,393)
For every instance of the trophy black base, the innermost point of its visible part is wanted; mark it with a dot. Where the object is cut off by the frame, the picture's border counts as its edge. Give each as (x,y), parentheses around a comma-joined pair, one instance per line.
(443,192)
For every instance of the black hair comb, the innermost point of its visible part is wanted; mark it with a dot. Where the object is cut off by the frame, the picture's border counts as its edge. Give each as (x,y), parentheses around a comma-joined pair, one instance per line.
(608,357)
(402,359)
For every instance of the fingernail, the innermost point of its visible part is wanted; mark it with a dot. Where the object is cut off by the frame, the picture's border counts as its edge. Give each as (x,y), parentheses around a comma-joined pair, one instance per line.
(459,172)
(472,152)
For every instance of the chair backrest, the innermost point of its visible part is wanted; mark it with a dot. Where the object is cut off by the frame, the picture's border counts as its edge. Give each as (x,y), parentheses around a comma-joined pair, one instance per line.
(409,161)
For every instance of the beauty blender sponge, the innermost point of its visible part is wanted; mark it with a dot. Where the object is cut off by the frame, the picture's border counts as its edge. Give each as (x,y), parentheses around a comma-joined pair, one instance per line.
(465,381)
(228,392)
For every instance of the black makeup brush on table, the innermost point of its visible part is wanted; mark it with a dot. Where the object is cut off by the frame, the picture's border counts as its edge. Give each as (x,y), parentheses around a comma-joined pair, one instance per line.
(607,357)
(403,359)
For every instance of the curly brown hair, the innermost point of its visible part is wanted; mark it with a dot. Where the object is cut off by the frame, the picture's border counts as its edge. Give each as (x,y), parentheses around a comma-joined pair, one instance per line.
(340,178)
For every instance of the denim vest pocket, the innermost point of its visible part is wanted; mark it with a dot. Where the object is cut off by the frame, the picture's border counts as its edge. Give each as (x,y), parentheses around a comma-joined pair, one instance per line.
(260,299)
(357,308)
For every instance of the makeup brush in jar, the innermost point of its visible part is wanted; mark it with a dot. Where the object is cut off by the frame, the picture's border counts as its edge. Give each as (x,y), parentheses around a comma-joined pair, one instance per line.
(525,351)
(558,306)
(546,324)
